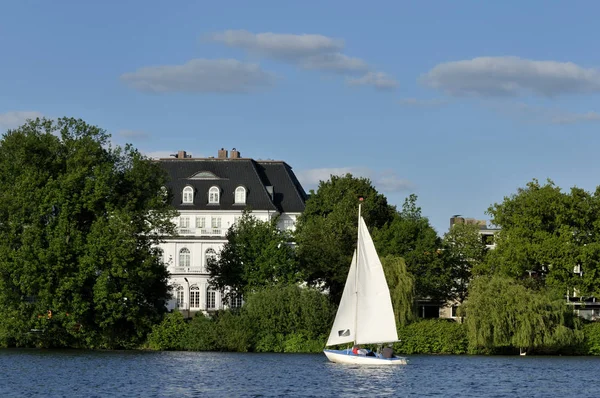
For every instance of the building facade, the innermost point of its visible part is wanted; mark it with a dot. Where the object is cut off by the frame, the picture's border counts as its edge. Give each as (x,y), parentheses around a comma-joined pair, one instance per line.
(210,195)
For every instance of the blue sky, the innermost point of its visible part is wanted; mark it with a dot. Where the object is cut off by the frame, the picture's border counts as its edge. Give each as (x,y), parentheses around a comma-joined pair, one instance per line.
(459,102)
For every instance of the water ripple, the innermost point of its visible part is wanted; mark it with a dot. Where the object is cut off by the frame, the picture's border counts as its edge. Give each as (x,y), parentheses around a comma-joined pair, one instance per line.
(48,373)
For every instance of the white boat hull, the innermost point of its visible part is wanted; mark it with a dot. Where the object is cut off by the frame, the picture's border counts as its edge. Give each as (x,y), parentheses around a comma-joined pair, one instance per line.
(347,357)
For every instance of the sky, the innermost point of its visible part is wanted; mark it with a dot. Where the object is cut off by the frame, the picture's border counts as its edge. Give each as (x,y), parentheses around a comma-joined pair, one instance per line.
(460,102)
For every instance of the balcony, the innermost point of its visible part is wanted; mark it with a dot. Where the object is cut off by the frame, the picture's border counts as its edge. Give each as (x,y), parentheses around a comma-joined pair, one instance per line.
(211,232)
(188,270)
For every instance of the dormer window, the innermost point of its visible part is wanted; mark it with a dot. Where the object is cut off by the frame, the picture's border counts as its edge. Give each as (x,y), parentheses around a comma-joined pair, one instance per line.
(240,195)
(188,195)
(213,195)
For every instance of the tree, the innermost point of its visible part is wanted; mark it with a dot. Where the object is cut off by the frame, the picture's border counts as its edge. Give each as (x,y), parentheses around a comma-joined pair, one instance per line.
(257,254)
(402,289)
(327,229)
(78,223)
(410,236)
(500,312)
(463,251)
(549,234)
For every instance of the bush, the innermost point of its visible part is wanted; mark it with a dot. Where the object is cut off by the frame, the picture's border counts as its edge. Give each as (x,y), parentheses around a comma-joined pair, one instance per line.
(591,341)
(169,334)
(201,334)
(434,336)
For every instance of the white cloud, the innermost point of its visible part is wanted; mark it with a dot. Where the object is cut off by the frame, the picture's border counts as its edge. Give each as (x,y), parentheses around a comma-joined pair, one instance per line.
(158,154)
(544,115)
(14,119)
(511,76)
(386,181)
(277,45)
(306,51)
(570,118)
(169,154)
(378,80)
(200,76)
(425,103)
(335,62)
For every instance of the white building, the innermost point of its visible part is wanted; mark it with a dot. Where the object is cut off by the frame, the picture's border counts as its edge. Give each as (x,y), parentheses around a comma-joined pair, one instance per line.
(210,195)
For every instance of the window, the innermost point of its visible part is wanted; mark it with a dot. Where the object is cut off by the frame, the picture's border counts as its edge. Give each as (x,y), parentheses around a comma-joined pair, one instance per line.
(179,296)
(200,222)
(288,224)
(454,311)
(240,195)
(488,239)
(236,300)
(184,222)
(209,255)
(194,297)
(211,299)
(184,257)
(160,254)
(188,195)
(215,222)
(213,195)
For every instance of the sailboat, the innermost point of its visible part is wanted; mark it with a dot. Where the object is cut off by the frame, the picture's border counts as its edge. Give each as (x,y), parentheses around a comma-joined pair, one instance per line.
(365,314)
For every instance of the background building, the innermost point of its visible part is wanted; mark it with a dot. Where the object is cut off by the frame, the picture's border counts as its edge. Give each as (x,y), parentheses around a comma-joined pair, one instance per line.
(210,194)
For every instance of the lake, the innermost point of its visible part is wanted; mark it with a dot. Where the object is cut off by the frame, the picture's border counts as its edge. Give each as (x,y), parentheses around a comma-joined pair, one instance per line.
(72,373)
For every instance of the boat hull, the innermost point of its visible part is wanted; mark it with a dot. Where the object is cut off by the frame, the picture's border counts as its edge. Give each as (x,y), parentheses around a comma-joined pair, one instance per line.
(347,357)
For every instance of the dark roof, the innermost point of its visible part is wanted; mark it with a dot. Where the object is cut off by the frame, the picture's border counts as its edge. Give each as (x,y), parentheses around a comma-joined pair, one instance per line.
(288,194)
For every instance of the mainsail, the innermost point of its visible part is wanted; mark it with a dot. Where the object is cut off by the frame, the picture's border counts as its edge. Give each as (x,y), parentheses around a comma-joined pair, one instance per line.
(365,314)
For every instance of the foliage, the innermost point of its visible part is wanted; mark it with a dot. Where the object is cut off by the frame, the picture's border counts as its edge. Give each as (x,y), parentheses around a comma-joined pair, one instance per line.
(410,236)
(591,343)
(402,289)
(169,334)
(432,336)
(256,255)
(463,251)
(327,229)
(503,313)
(202,334)
(275,319)
(285,311)
(78,223)
(548,233)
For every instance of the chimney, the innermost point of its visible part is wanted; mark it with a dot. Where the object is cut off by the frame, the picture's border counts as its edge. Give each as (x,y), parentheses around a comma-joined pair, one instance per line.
(222,154)
(235,154)
(181,155)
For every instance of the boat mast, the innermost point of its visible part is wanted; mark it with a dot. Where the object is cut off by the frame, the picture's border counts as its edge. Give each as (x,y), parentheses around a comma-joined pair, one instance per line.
(360,199)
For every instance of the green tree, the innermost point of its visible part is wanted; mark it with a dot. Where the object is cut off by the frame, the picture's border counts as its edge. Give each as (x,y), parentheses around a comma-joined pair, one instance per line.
(464,250)
(500,312)
(410,236)
(549,233)
(257,254)
(289,315)
(327,229)
(402,289)
(78,223)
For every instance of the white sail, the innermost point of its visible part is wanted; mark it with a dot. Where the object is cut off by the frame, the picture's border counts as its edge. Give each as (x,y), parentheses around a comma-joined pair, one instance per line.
(343,330)
(365,314)
(375,320)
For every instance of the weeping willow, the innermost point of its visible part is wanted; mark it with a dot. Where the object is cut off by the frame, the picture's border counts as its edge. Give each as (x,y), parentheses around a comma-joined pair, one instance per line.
(402,288)
(500,312)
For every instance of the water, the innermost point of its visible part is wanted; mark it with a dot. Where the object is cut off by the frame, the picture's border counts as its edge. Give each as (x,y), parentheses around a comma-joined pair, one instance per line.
(48,373)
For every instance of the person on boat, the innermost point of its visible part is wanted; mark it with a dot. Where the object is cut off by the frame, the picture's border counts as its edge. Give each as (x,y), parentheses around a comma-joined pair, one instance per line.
(388,352)
(358,350)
